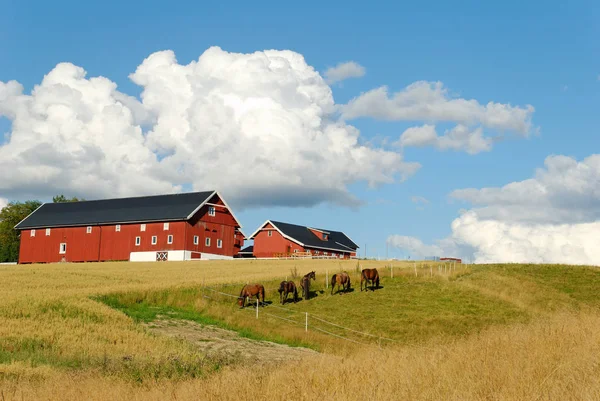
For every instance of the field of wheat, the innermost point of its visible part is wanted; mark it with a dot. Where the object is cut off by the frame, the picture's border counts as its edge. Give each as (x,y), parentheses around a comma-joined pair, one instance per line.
(493,332)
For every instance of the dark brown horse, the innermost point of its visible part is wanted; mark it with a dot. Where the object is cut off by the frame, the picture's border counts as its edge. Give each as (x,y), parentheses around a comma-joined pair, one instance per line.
(342,280)
(369,275)
(249,291)
(305,284)
(285,288)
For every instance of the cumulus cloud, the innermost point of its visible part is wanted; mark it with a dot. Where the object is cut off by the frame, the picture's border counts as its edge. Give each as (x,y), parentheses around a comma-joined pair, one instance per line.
(3,203)
(259,127)
(553,217)
(458,138)
(343,71)
(431,102)
(565,191)
(414,245)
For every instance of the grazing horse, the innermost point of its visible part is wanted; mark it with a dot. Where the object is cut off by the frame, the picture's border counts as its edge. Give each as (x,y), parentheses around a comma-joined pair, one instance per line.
(342,280)
(369,275)
(249,291)
(285,288)
(305,284)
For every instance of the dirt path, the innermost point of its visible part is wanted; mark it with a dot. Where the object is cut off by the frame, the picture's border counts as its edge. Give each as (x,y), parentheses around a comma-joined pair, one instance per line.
(227,344)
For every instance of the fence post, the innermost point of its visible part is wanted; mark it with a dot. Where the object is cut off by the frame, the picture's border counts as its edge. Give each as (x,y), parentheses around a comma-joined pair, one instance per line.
(392,270)
(430,271)
(326,278)
(257,308)
(306,323)
(415,269)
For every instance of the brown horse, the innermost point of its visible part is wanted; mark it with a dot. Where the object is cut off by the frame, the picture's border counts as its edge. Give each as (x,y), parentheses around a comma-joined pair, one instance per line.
(369,275)
(285,288)
(305,284)
(342,280)
(249,291)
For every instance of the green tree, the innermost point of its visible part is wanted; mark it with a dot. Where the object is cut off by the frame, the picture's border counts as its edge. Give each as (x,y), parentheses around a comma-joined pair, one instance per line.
(62,199)
(10,216)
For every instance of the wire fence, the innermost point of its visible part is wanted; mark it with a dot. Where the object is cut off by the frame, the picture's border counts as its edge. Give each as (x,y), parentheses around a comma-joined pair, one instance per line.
(309,317)
(420,269)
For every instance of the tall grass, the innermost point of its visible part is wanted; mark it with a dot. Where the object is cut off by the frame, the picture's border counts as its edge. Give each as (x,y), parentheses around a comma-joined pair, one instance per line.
(485,332)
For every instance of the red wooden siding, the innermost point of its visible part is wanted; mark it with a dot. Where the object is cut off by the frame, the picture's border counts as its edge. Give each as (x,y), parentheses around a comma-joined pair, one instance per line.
(220,226)
(318,234)
(277,244)
(268,247)
(105,243)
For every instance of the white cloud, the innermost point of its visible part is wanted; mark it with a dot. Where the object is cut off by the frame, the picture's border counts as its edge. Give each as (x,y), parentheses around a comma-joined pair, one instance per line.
(414,245)
(551,218)
(259,127)
(430,102)
(458,138)
(564,192)
(3,203)
(343,71)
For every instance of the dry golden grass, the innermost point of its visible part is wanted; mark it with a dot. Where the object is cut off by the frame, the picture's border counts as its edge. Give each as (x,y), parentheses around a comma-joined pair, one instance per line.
(56,343)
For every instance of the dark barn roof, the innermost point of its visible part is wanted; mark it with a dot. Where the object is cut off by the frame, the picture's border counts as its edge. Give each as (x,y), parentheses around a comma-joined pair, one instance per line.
(336,240)
(114,211)
(248,249)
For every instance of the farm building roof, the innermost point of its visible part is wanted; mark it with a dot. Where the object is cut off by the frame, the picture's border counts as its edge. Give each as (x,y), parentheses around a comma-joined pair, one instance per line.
(336,240)
(141,209)
(248,250)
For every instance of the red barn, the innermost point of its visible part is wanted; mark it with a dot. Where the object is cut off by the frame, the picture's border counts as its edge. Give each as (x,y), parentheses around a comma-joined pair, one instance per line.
(277,239)
(198,225)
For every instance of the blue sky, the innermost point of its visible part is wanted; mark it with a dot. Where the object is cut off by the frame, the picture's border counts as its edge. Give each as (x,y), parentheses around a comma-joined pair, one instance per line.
(545,54)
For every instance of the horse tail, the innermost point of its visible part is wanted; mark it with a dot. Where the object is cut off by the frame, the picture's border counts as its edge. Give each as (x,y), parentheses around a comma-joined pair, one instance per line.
(295,293)
(333,280)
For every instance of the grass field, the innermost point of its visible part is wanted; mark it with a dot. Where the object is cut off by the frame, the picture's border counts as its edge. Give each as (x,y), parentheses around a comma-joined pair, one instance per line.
(76,331)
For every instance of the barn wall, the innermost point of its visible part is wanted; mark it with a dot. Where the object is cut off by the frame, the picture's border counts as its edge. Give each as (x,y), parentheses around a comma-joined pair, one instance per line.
(81,247)
(221,226)
(117,245)
(267,247)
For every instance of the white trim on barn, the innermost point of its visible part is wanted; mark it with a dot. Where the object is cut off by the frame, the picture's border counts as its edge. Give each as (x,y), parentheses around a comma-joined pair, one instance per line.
(175,255)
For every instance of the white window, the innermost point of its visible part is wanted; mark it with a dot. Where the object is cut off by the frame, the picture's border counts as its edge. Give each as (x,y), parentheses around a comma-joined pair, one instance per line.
(118,228)
(142,227)
(207,242)
(63,248)
(211,210)
(89,230)
(138,241)
(154,240)
(270,233)
(219,243)
(170,239)
(32,233)
(165,226)
(295,251)
(47,232)
(196,239)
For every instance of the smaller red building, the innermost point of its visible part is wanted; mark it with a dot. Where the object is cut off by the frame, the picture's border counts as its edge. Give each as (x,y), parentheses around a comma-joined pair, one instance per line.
(276,239)
(197,225)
